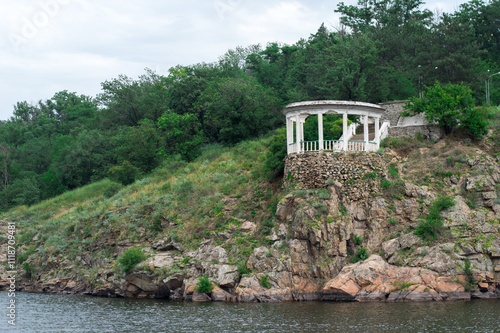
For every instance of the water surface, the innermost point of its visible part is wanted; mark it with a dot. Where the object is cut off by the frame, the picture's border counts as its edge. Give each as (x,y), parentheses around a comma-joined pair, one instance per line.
(71,313)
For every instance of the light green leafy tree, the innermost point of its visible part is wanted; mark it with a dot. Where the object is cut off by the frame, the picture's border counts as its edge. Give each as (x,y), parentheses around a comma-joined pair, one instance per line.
(450,106)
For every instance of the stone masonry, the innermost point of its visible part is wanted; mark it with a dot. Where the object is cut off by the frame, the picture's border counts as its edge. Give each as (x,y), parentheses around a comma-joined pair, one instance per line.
(358,173)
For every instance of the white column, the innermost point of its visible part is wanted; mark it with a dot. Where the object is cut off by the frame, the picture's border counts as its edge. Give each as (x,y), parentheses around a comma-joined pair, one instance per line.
(366,136)
(344,130)
(302,134)
(320,131)
(377,132)
(289,133)
(298,124)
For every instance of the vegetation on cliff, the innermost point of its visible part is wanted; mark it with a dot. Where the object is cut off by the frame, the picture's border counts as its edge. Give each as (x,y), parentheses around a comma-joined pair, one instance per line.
(388,51)
(160,185)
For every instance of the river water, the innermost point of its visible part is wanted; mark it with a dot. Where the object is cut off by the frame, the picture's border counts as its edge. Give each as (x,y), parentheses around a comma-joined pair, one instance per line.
(71,313)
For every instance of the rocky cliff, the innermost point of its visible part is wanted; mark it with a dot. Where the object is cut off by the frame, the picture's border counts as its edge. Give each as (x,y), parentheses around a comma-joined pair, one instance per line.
(327,241)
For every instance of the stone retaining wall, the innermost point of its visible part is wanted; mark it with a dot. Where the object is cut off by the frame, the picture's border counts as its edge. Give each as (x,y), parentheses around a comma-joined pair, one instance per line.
(357,174)
(432,132)
(392,112)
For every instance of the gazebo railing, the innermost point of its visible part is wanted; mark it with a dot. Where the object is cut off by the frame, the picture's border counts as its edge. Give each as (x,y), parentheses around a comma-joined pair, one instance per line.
(355,145)
(309,145)
(333,145)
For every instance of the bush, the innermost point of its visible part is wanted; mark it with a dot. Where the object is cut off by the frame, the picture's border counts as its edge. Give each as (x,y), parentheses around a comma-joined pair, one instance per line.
(28,270)
(358,240)
(385,183)
(475,122)
(23,256)
(130,258)
(450,105)
(264,282)
(275,157)
(204,285)
(430,228)
(470,282)
(361,254)
(124,174)
(111,189)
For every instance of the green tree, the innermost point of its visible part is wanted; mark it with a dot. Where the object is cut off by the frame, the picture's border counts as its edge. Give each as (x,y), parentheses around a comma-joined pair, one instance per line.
(181,134)
(238,109)
(127,101)
(5,157)
(481,18)
(449,105)
(125,173)
(84,158)
(25,190)
(139,145)
(69,110)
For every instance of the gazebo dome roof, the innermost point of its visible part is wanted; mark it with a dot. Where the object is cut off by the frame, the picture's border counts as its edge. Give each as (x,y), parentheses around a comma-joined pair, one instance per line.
(332,106)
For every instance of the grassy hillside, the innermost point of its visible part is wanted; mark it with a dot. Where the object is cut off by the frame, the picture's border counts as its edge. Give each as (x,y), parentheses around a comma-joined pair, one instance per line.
(80,235)
(182,201)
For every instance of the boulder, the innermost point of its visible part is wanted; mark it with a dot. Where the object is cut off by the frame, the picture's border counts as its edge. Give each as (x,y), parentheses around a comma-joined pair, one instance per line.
(376,280)
(248,226)
(208,253)
(409,240)
(250,290)
(390,247)
(227,276)
(201,297)
(220,295)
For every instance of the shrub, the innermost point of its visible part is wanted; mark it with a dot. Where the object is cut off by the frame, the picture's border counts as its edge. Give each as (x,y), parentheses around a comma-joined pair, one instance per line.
(156,223)
(184,188)
(470,282)
(401,285)
(111,189)
(23,256)
(358,240)
(393,170)
(264,282)
(275,157)
(204,285)
(124,174)
(430,228)
(385,183)
(361,254)
(28,270)
(130,258)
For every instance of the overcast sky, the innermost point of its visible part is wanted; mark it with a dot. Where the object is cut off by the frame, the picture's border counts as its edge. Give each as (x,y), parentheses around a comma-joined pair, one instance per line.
(51,45)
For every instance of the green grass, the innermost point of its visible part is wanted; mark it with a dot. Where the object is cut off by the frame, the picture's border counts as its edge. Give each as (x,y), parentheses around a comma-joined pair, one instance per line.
(401,285)
(178,200)
(429,228)
(264,282)
(130,259)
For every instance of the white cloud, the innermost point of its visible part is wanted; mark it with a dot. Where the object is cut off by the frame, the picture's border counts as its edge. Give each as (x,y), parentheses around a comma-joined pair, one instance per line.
(77,44)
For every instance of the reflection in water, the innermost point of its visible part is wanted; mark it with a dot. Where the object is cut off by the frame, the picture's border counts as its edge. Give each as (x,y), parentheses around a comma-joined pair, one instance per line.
(69,313)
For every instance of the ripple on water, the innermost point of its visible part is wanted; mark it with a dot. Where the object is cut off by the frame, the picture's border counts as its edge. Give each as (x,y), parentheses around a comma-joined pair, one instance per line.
(70,313)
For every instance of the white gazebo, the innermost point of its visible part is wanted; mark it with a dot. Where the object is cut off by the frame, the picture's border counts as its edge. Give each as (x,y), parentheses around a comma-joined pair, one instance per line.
(298,112)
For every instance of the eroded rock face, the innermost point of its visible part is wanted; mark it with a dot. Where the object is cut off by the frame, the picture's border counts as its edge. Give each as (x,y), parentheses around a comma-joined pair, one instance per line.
(375,279)
(308,254)
(250,290)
